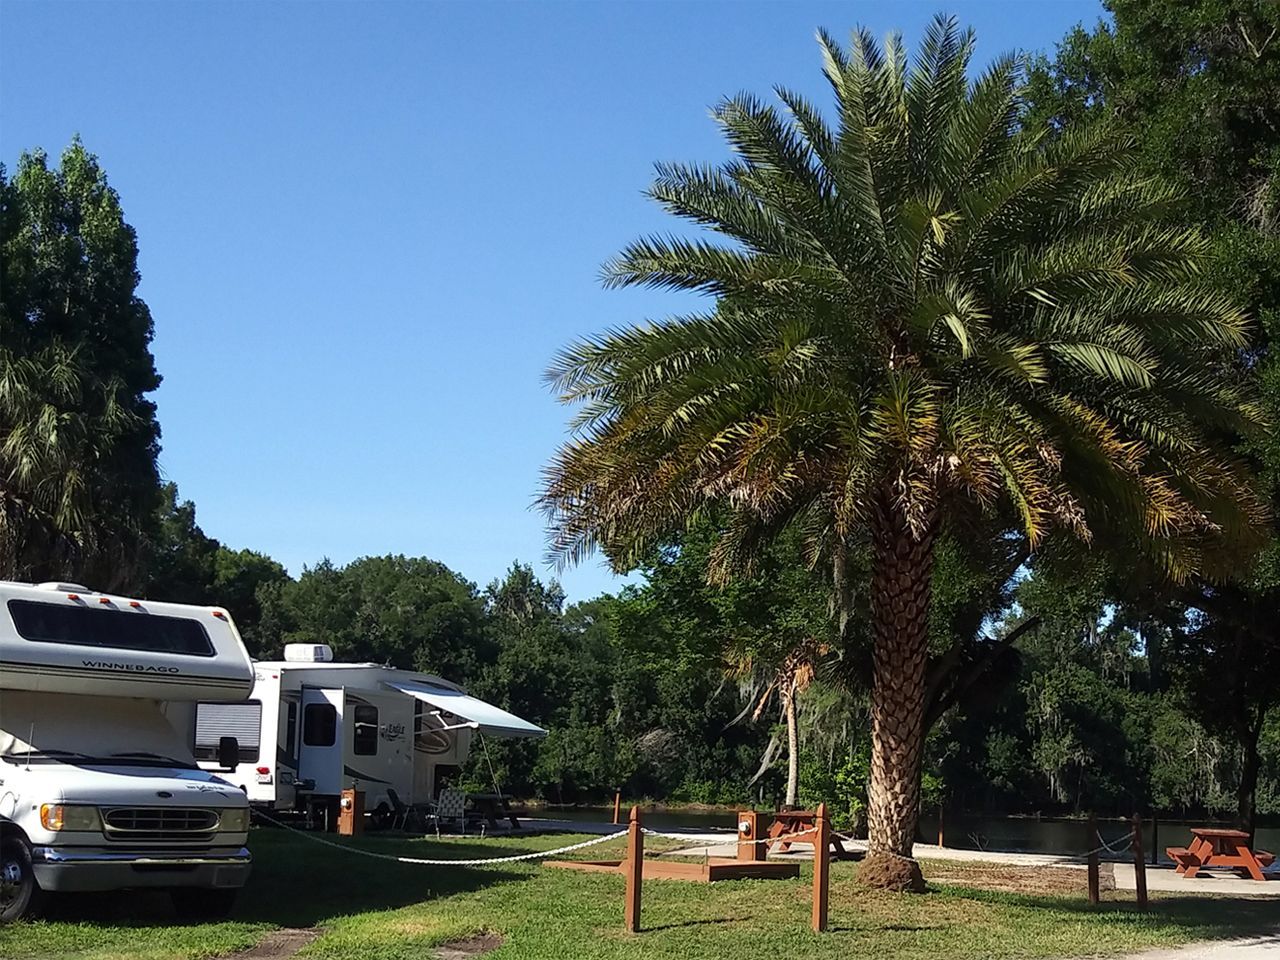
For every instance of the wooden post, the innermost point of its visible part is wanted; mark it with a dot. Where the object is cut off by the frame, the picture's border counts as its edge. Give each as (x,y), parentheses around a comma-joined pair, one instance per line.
(635,870)
(749,830)
(617,806)
(1092,840)
(942,837)
(821,869)
(1155,838)
(1139,863)
(351,813)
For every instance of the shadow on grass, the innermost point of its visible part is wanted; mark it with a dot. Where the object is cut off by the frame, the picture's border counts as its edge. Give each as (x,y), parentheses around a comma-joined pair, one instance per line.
(1208,918)
(299,883)
(679,924)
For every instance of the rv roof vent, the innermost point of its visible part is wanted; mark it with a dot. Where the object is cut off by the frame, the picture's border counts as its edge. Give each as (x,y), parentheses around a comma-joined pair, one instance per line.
(58,587)
(308,652)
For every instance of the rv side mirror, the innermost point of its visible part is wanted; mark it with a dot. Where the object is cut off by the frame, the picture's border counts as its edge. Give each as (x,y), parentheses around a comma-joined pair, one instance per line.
(228,752)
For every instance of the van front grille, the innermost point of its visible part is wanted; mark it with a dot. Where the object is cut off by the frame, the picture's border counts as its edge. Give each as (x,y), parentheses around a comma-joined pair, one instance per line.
(159,823)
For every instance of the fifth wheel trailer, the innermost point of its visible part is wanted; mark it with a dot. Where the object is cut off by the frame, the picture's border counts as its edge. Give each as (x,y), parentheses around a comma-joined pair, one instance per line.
(312,728)
(98,786)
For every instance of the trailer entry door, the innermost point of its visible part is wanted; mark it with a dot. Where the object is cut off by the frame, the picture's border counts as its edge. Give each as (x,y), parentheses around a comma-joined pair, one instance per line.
(320,753)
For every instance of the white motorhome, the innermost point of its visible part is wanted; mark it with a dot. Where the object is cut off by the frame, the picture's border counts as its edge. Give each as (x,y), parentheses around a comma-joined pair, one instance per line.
(312,728)
(99,789)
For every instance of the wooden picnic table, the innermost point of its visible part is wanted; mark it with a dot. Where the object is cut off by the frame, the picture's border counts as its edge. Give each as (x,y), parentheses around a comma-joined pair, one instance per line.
(491,806)
(1215,848)
(799,826)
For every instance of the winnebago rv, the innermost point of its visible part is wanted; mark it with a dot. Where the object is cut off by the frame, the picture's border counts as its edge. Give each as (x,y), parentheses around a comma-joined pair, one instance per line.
(313,728)
(99,789)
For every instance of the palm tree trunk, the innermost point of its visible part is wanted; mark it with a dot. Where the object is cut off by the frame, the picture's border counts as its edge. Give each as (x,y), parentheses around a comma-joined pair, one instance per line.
(900,616)
(793,741)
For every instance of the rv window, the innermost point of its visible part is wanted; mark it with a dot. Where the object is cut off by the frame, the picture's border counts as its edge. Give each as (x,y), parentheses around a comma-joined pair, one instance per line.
(319,725)
(95,627)
(216,720)
(365,738)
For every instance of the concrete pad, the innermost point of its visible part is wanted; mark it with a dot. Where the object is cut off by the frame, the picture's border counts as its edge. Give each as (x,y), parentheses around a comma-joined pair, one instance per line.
(1248,948)
(1164,879)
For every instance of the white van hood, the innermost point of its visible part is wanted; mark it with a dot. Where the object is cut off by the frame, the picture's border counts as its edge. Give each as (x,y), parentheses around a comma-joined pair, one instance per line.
(109,784)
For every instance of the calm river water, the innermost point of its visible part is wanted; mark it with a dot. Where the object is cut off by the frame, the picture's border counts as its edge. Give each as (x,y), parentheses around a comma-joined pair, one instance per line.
(1023,834)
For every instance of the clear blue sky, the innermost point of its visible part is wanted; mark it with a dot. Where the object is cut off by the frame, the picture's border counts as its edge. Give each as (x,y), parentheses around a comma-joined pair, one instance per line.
(365,228)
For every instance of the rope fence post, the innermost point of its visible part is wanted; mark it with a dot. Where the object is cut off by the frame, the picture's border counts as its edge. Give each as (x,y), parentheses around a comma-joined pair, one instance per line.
(821,869)
(749,847)
(1139,863)
(1094,882)
(635,870)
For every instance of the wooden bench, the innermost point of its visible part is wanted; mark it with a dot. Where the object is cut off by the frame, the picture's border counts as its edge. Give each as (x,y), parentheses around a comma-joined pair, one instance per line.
(1265,858)
(1182,857)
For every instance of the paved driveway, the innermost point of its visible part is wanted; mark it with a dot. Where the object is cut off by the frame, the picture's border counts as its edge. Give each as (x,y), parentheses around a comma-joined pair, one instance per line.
(1250,948)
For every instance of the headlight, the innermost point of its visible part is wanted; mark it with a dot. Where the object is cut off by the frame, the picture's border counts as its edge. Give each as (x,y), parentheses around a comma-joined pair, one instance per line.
(66,816)
(234,821)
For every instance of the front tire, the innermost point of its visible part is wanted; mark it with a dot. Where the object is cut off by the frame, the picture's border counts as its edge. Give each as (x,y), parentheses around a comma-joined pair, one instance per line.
(20,895)
(202,905)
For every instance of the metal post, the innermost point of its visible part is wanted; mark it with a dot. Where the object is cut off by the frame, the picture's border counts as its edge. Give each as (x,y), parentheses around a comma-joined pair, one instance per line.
(635,870)
(1094,883)
(821,869)
(942,837)
(617,806)
(1155,838)
(1139,863)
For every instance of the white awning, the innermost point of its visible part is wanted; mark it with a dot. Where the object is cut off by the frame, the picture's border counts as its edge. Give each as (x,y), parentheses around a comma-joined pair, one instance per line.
(469,710)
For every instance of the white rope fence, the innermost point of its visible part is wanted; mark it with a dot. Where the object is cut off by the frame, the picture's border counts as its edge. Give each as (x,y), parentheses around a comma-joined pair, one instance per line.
(425,862)
(1114,847)
(713,840)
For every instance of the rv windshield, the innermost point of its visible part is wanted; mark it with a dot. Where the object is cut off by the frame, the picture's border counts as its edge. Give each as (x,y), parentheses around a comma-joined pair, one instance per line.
(43,756)
(23,757)
(117,731)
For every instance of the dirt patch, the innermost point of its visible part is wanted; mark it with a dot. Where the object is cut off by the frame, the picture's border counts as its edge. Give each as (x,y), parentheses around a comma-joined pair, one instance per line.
(469,947)
(1015,879)
(885,871)
(278,944)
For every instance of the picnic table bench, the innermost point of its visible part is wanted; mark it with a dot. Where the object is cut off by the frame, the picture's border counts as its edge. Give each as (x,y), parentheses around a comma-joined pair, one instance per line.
(1214,848)
(491,806)
(799,826)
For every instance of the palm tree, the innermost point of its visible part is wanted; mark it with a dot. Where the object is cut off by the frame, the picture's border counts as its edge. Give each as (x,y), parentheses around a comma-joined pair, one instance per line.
(922,314)
(783,670)
(60,426)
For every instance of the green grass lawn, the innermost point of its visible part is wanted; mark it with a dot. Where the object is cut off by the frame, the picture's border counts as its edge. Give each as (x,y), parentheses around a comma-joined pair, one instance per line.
(376,910)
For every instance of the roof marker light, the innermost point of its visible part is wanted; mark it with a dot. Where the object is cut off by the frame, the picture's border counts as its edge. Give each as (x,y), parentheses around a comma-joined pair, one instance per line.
(104,599)
(73,596)
(219,614)
(135,604)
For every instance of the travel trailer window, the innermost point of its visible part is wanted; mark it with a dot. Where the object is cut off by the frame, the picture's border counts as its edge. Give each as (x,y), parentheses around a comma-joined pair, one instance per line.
(240,720)
(319,725)
(92,627)
(364,741)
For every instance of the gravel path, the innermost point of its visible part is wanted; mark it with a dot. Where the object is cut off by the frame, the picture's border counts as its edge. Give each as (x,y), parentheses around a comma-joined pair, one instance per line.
(1250,948)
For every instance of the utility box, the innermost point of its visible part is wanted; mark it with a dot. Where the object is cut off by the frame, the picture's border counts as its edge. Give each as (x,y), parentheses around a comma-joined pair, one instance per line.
(749,836)
(351,813)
